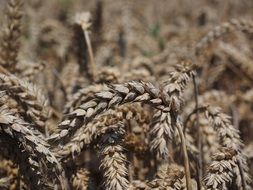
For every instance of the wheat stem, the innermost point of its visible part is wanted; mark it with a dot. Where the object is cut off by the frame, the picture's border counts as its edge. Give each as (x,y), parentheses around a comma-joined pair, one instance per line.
(91,55)
(200,156)
(186,159)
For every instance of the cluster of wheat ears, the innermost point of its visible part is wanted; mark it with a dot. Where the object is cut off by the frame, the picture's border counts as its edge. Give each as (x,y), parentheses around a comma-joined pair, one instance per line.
(171,118)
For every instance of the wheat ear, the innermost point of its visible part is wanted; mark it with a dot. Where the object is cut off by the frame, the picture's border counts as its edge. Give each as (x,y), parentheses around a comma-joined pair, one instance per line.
(220,171)
(34,145)
(11,35)
(30,98)
(81,96)
(170,178)
(120,94)
(161,127)
(87,134)
(81,179)
(220,31)
(230,138)
(113,159)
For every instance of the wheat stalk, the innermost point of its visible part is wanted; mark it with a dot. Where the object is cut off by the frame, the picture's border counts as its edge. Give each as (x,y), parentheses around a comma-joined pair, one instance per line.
(83,19)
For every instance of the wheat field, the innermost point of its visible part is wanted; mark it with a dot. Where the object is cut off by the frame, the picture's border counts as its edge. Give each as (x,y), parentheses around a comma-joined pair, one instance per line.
(126,95)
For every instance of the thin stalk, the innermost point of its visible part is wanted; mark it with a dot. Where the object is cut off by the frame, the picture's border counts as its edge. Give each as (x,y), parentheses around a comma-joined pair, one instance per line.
(91,55)
(242,175)
(200,156)
(57,75)
(131,157)
(186,159)
(200,109)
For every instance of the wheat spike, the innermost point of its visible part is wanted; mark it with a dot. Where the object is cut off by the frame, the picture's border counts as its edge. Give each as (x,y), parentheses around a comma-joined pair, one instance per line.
(120,94)
(10,171)
(229,138)
(87,134)
(223,29)
(161,127)
(11,35)
(224,170)
(31,99)
(161,132)
(117,95)
(81,179)
(33,143)
(170,178)
(81,96)
(113,159)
